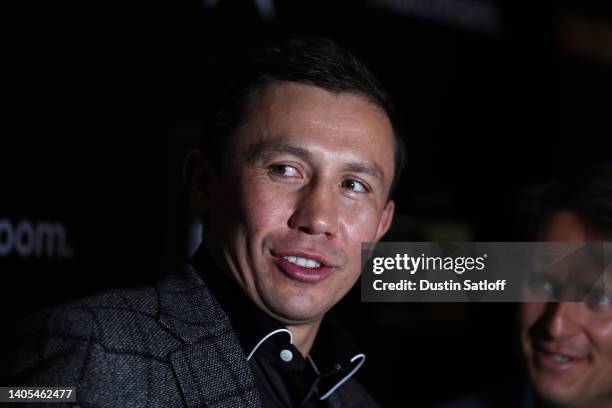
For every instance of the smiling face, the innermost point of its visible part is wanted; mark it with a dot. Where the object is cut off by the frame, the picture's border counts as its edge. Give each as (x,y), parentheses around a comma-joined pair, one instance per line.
(568,345)
(307,179)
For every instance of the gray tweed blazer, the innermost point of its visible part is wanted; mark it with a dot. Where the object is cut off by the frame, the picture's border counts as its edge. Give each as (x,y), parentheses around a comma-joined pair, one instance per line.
(171,345)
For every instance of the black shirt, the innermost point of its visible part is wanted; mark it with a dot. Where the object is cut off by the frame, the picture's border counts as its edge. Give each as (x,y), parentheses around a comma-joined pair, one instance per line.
(283,376)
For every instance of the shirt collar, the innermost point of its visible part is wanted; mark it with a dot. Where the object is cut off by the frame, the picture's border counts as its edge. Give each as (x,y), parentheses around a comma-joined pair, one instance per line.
(333,356)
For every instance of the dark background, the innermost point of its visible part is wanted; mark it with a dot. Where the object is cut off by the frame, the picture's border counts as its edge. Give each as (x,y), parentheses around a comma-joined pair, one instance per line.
(103,100)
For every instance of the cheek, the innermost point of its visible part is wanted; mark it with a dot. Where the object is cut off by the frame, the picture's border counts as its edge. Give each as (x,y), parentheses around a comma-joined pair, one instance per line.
(361,224)
(530,313)
(601,335)
(263,207)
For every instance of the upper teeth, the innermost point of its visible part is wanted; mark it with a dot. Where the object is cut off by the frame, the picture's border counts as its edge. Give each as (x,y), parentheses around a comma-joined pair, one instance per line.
(304,262)
(559,358)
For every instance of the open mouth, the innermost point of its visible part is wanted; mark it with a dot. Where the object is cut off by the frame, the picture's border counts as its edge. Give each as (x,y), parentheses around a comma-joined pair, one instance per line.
(303,267)
(555,359)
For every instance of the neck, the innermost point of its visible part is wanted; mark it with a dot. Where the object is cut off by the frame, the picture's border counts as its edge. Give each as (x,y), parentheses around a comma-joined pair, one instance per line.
(304,336)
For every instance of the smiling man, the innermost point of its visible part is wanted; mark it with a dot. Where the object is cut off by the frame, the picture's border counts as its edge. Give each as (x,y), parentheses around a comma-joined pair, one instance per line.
(566,346)
(306,181)
(294,174)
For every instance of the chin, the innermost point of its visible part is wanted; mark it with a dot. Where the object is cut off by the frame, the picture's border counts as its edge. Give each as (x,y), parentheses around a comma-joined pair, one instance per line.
(290,313)
(556,400)
(555,394)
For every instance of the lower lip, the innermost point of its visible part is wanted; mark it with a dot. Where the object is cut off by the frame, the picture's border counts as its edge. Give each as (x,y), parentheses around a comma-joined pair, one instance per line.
(301,274)
(545,360)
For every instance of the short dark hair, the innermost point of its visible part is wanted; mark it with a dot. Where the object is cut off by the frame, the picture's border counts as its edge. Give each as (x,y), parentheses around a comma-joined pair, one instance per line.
(586,193)
(311,61)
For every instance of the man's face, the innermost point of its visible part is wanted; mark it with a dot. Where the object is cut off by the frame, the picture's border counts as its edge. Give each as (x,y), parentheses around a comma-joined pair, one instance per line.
(568,345)
(307,180)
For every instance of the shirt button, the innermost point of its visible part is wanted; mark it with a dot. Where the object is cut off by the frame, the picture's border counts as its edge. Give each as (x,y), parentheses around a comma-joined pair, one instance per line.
(286,355)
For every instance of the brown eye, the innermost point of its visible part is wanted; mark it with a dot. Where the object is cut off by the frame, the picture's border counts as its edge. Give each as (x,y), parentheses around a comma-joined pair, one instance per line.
(285,170)
(354,185)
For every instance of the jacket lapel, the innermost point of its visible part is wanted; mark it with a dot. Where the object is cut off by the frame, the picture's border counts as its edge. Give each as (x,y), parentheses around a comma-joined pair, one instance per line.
(211,368)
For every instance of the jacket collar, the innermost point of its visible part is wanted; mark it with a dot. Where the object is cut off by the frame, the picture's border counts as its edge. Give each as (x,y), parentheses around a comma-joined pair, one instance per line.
(333,355)
(211,368)
(186,307)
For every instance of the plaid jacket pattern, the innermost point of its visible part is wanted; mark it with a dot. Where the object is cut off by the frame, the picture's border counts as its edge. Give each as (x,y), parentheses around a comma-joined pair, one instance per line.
(171,345)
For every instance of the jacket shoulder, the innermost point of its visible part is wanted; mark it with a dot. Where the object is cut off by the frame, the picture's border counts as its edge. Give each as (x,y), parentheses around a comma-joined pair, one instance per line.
(59,342)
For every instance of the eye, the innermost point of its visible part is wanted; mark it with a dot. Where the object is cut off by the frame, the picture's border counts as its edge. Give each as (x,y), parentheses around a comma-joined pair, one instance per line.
(603,308)
(598,299)
(285,170)
(542,286)
(355,185)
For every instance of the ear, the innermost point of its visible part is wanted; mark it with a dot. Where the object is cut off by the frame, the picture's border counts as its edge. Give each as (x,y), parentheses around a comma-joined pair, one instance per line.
(200,179)
(385,220)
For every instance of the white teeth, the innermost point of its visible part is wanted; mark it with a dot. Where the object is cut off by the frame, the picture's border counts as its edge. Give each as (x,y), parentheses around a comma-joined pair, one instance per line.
(560,359)
(303,262)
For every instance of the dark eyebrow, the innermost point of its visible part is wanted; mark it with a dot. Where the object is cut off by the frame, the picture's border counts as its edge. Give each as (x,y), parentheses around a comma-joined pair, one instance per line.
(372,170)
(264,148)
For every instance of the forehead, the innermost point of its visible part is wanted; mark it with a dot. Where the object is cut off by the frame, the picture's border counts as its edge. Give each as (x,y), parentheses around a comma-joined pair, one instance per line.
(306,115)
(566,226)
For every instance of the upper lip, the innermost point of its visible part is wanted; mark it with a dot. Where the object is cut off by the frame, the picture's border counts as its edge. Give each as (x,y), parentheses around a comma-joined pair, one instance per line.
(315,256)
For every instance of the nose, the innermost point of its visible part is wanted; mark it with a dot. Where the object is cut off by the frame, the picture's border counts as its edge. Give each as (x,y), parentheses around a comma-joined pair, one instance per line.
(561,319)
(316,212)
